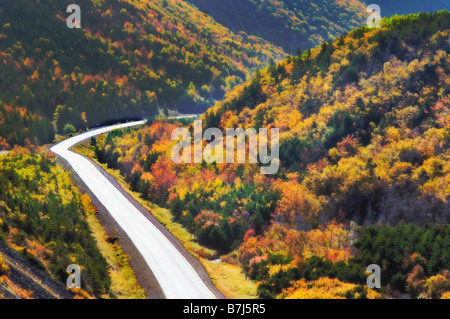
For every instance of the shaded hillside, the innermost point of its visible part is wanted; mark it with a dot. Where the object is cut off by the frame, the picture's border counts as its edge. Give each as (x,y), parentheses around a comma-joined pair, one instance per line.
(19,278)
(389,7)
(290,24)
(129,59)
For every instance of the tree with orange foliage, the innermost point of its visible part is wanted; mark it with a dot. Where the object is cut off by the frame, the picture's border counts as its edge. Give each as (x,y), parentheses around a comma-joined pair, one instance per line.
(298,207)
(207,218)
(164,179)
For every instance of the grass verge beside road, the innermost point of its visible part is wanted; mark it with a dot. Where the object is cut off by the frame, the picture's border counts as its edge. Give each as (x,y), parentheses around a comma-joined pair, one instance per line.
(124,284)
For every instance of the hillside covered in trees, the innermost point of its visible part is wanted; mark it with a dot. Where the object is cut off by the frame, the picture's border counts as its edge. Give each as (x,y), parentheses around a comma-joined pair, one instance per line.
(43,217)
(290,24)
(304,24)
(364,134)
(128,60)
(404,7)
(47,224)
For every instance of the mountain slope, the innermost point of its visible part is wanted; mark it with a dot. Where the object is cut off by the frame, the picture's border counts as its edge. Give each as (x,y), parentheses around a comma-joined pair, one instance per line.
(350,104)
(290,24)
(128,59)
(22,279)
(363,136)
(389,8)
(43,218)
(364,133)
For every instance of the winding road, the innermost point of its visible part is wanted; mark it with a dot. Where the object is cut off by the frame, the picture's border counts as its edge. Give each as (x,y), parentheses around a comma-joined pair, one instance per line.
(176,276)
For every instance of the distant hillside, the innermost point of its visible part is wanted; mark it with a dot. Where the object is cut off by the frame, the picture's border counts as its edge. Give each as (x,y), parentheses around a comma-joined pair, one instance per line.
(389,7)
(129,59)
(290,24)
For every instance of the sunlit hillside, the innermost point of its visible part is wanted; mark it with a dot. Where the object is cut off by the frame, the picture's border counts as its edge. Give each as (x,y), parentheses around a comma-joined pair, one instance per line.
(364,141)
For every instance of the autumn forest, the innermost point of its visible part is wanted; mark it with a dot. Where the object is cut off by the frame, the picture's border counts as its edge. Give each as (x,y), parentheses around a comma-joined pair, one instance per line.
(364,133)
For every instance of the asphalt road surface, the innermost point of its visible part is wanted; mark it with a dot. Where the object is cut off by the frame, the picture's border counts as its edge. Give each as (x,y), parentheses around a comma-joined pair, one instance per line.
(176,276)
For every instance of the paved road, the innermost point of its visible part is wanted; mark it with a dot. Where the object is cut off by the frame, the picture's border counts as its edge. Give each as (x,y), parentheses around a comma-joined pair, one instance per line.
(177,278)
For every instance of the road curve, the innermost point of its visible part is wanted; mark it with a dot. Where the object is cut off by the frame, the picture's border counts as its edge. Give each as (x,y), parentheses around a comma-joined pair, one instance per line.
(176,276)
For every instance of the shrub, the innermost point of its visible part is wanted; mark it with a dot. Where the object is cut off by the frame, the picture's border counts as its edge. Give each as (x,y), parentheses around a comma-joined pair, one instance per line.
(69,129)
